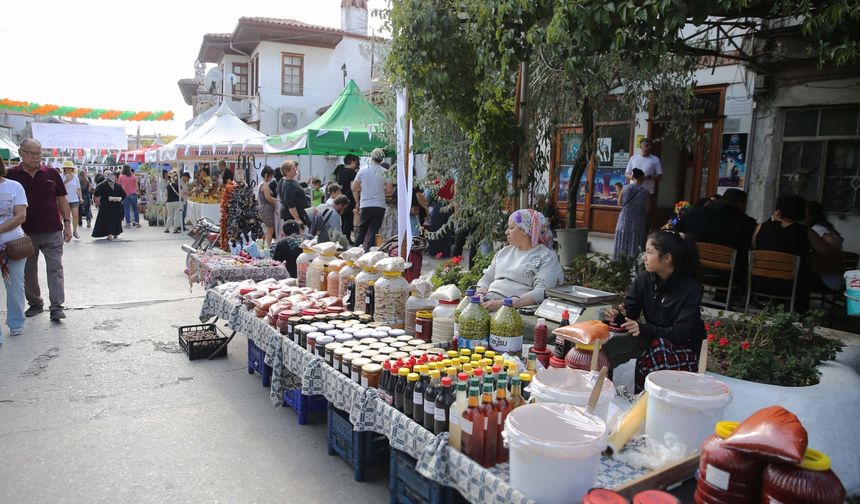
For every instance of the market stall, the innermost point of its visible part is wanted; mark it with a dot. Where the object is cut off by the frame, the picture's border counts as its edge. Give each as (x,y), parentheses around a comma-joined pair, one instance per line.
(214,266)
(196,211)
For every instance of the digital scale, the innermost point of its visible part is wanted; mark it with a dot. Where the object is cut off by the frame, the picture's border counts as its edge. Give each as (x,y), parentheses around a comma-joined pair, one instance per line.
(581,303)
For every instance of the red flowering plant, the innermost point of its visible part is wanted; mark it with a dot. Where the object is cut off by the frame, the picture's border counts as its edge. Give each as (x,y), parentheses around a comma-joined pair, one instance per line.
(771,346)
(452,272)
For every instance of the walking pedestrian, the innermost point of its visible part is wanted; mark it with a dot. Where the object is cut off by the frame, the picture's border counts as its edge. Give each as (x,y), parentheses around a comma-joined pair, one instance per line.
(13,213)
(369,191)
(73,193)
(86,209)
(174,206)
(128,181)
(630,230)
(345,178)
(109,197)
(267,205)
(184,188)
(47,204)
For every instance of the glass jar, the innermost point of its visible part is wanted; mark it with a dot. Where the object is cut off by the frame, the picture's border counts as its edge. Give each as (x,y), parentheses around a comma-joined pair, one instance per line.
(343,337)
(379,359)
(321,343)
(413,305)
(346,365)
(424,325)
(357,364)
(302,263)
(329,352)
(443,322)
(337,358)
(311,341)
(284,324)
(370,375)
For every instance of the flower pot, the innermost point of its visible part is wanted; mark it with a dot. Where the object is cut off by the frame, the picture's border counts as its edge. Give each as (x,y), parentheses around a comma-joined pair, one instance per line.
(572,242)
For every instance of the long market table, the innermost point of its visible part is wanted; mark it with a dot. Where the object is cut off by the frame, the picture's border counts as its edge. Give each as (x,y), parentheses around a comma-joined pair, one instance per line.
(213,267)
(293,367)
(211,211)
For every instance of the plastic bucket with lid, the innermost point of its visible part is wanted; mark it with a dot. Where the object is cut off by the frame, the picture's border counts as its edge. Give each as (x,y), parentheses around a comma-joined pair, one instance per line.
(554,451)
(852,292)
(685,404)
(571,386)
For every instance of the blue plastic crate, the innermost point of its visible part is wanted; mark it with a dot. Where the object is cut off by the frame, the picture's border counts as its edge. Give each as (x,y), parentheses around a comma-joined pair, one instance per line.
(304,404)
(409,487)
(359,449)
(257,364)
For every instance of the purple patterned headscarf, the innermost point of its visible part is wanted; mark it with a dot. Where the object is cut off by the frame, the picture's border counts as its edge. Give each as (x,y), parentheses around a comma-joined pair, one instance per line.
(534,224)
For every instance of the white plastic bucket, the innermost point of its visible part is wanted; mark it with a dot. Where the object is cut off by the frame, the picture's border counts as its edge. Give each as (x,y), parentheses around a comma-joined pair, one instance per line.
(685,404)
(554,451)
(571,386)
(852,292)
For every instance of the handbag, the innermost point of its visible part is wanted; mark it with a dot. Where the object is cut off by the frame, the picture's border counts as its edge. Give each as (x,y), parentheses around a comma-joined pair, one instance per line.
(19,248)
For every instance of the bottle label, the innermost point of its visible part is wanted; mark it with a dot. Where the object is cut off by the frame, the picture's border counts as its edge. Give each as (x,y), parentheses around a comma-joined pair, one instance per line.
(439,414)
(363,381)
(455,418)
(499,421)
(717,477)
(486,422)
(430,409)
(456,329)
(417,328)
(506,344)
(466,426)
(471,344)
(417,398)
(354,376)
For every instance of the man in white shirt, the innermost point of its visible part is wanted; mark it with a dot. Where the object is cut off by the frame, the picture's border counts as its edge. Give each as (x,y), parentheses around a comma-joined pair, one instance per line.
(369,191)
(648,163)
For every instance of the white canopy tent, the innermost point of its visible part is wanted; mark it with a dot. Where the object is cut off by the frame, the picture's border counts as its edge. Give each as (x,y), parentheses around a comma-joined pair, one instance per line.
(224,129)
(6,142)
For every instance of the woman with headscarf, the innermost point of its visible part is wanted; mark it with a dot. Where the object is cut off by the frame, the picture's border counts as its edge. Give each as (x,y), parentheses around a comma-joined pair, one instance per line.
(524,268)
(108,196)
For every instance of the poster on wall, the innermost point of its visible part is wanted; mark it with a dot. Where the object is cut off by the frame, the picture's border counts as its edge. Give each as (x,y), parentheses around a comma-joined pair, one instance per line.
(604,151)
(608,183)
(733,162)
(570,143)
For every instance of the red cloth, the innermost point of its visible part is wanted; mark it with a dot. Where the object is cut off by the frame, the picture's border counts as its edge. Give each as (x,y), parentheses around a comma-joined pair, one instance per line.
(447,191)
(663,354)
(42,190)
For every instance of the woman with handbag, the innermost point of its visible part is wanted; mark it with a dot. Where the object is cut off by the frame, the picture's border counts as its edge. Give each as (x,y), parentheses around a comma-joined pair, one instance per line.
(14,250)
(109,196)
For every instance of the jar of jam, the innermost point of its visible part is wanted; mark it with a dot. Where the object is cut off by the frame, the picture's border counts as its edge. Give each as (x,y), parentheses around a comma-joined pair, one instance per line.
(346,364)
(579,357)
(321,343)
(379,359)
(329,352)
(727,475)
(365,319)
(307,319)
(376,345)
(343,337)
(399,344)
(810,482)
(398,355)
(370,375)
(387,349)
(300,334)
(388,340)
(283,324)
(655,497)
(351,343)
(311,340)
(424,325)
(337,357)
(292,323)
(603,496)
(379,334)
(357,364)
(369,353)
(360,347)
(368,341)
(311,312)
(346,315)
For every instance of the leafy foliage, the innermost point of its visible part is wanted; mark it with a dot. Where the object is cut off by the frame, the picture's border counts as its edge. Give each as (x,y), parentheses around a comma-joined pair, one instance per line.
(771,346)
(452,272)
(601,272)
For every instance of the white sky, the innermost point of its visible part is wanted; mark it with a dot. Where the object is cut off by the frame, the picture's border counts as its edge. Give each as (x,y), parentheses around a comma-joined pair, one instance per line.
(126,55)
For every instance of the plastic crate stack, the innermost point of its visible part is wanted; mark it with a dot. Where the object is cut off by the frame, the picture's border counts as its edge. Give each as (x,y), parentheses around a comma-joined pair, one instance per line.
(304,404)
(257,364)
(409,487)
(359,449)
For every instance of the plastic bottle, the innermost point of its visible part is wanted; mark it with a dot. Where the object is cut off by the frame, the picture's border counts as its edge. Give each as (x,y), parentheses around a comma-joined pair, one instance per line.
(474,325)
(531,364)
(541,334)
(526,380)
(400,388)
(460,307)
(390,293)
(472,429)
(443,321)
(418,395)
(491,429)
(369,298)
(430,394)
(502,407)
(561,344)
(516,398)
(411,381)
(444,401)
(317,273)
(346,275)
(384,381)
(456,412)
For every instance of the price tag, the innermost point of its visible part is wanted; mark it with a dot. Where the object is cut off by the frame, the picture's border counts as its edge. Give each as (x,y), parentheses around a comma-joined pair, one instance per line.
(717,477)
(363,381)
(354,376)
(466,426)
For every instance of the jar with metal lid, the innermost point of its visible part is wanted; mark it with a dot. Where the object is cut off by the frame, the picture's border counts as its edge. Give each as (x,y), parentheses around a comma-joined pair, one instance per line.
(376,345)
(387,349)
(415,342)
(283,323)
(343,337)
(374,325)
(300,333)
(369,353)
(351,343)
(417,353)
(348,316)
(307,319)
(424,325)
(329,352)
(333,333)
(365,319)
(379,359)
(337,358)
(351,330)
(292,323)
(311,340)
(311,312)
(379,334)
(425,346)
(388,340)
(399,344)
(360,348)
(368,341)
(357,364)
(325,327)
(346,365)
(321,343)
(810,482)
(370,375)
(398,355)
(363,333)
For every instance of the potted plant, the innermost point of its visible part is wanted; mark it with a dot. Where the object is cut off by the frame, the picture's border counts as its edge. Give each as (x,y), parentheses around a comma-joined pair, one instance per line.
(452,272)
(601,272)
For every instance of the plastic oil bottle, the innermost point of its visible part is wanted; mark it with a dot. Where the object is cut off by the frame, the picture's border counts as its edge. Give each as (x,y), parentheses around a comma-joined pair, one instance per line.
(430,394)
(472,427)
(456,412)
(444,401)
(501,407)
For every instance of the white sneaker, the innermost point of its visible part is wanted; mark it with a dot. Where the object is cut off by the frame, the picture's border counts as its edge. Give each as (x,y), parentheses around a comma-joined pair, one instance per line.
(16,332)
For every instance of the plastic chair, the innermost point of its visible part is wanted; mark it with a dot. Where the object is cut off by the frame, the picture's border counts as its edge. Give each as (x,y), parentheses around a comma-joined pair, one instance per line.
(719,258)
(776,265)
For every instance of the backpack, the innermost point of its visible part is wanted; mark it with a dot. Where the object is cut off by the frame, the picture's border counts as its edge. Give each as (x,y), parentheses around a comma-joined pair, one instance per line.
(319,225)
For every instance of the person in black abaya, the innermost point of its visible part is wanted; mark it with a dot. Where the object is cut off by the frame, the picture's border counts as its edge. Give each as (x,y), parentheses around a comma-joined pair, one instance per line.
(108,198)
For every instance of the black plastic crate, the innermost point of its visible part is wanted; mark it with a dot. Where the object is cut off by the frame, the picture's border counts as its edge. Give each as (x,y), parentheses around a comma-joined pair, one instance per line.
(304,404)
(409,487)
(359,449)
(257,363)
(202,349)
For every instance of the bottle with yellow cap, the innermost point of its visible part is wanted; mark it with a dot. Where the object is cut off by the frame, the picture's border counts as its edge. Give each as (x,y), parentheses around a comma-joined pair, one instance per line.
(810,481)
(411,381)
(526,380)
(476,357)
(418,394)
(430,394)
(465,352)
(467,368)
(452,354)
(480,350)
(489,354)
(400,388)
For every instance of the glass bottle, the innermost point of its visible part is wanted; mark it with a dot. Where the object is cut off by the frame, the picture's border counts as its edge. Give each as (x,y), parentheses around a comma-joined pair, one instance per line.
(526,380)
(418,395)
(531,365)
(369,298)
(430,394)
(385,381)
(516,399)
(456,412)
(490,427)
(472,429)
(560,348)
(350,303)
(443,406)
(501,406)
(400,388)
(411,381)
(541,334)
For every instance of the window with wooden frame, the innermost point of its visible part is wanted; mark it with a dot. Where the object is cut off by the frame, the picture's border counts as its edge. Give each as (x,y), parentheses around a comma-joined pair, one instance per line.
(292,74)
(240,80)
(254,75)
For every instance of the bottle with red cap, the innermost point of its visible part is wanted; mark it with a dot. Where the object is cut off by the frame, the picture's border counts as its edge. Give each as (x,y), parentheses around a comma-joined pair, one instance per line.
(384,381)
(444,400)
(562,346)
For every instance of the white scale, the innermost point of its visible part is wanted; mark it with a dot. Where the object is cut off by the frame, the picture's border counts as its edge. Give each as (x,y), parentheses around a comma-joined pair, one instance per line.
(581,303)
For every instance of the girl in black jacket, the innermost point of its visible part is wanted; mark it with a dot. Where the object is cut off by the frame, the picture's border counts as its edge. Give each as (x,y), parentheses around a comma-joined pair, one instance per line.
(664,306)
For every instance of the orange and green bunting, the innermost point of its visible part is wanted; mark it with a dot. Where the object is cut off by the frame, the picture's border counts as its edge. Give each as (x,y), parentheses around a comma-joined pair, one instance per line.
(84,112)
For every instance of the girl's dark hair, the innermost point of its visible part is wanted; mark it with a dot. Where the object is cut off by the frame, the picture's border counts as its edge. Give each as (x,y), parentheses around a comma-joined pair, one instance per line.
(638,174)
(815,215)
(126,170)
(792,206)
(292,227)
(685,255)
(329,189)
(267,170)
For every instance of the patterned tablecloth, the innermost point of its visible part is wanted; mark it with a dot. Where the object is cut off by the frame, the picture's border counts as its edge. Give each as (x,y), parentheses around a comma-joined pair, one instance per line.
(294,367)
(211,268)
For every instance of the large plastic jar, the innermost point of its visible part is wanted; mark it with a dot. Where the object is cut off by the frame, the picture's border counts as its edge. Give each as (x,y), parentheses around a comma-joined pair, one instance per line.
(317,276)
(390,292)
(579,357)
(474,325)
(302,263)
(506,330)
(685,404)
(810,482)
(362,281)
(346,275)
(443,321)
(727,476)
(571,386)
(554,451)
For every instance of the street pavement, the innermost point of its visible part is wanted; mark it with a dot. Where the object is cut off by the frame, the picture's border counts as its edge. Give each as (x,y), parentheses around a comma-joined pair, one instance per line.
(106,407)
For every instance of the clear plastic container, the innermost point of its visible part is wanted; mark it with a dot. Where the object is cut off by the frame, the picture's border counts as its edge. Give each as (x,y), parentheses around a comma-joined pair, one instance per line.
(443,321)
(346,275)
(317,274)
(333,280)
(506,330)
(460,307)
(391,292)
(474,325)
(303,262)
(362,280)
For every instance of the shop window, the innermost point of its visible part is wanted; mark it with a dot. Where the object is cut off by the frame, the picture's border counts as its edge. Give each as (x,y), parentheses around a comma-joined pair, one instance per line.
(292,76)
(820,158)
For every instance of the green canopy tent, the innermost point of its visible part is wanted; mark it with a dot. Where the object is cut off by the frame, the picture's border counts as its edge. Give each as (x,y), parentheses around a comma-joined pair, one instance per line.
(351,125)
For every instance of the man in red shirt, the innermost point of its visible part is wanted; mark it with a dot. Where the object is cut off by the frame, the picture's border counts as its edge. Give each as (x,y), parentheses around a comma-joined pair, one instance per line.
(46,197)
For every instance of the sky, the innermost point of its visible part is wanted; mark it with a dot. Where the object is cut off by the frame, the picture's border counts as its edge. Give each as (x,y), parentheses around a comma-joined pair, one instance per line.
(127,55)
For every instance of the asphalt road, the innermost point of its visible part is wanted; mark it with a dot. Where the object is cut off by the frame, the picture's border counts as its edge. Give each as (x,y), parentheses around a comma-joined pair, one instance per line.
(106,407)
